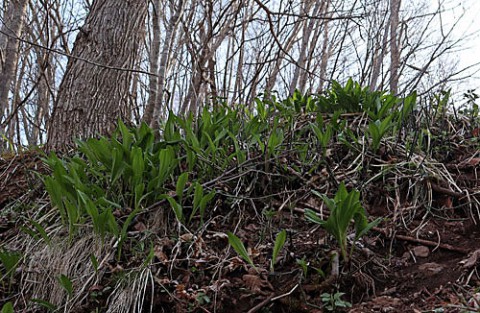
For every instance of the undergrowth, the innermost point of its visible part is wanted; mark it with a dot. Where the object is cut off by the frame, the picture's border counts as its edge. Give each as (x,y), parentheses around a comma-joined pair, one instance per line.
(143,204)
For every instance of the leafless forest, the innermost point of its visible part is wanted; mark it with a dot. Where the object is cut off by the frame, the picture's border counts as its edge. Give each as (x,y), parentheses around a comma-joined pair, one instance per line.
(180,55)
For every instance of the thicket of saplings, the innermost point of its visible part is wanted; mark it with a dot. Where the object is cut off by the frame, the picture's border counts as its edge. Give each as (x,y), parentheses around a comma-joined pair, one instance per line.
(198,168)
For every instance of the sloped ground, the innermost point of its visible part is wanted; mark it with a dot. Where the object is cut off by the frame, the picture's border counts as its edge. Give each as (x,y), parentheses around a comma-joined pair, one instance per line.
(428,266)
(422,257)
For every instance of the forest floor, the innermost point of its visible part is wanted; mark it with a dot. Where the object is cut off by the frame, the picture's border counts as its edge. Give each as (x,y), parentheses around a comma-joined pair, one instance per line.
(430,265)
(422,257)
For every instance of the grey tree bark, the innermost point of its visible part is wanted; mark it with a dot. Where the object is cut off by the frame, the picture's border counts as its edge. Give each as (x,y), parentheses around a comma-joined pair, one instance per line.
(308,26)
(94,91)
(164,59)
(153,58)
(9,43)
(394,49)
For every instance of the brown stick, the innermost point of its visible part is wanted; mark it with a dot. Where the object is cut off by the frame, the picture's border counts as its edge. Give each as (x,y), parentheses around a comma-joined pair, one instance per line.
(444,246)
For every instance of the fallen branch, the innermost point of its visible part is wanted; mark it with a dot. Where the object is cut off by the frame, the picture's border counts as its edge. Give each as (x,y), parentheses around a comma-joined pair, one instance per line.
(424,242)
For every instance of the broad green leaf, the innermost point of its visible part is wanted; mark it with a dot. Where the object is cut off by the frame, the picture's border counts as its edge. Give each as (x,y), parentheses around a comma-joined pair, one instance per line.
(367,228)
(47,305)
(127,136)
(181,182)
(238,246)
(94,261)
(118,165)
(197,196)
(123,234)
(138,166)
(139,193)
(10,260)
(150,256)
(205,200)
(56,196)
(177,208)
(111,222)
(279,243)
(41,231)
(66,283)
(312,217)
(7,308)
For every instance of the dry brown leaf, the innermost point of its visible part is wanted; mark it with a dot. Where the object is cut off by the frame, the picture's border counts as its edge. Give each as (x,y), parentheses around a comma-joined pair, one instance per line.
(253,282)
(421,251)
(181,292)
(161,256)
(198,247)
(474,161)
(472,259)
(216,234)
(162,281)
(95,288)
(252,252)
(140,227)
(186,237)
(252,227)
(431,267)
(235,263)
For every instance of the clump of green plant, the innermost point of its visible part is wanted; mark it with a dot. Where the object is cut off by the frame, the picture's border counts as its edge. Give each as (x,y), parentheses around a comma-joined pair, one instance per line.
(108,174)
(345,207)
(126,172)
(333,301)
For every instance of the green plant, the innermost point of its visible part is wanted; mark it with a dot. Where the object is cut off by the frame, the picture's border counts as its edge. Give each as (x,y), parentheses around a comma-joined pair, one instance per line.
(200,200)
(303,265)
(38,231)
(66,284)
(238,246)
(10,261)
(353,98)
(109,174)
(95,263)
(324,134)
(279,243)
(333,302)
(45,304)
(7,308)
(202,298)
(344,208)
(377,130)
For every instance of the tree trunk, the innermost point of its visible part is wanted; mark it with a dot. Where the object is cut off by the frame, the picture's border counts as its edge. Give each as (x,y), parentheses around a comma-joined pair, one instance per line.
(94,92)
(306,34)
(164,60)
(11,29)
(154,54)
(394,49)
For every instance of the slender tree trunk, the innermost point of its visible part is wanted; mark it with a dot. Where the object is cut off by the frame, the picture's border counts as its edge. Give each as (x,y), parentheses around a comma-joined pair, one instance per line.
(164,60)
(94,94)
(394,49)
(280,57)
(9,43)
(317,28)
(325,56)
(238,87)
(306,34)
(154,55)
(378,56)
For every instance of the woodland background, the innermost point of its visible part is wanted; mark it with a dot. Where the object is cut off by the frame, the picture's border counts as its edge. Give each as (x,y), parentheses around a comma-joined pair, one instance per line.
(181,55)
(295,156)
